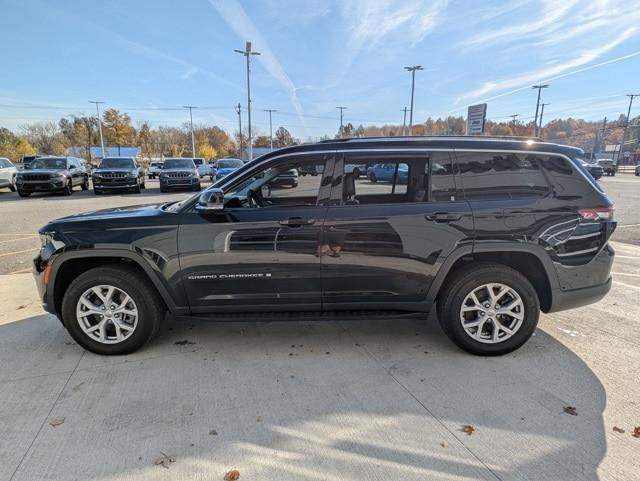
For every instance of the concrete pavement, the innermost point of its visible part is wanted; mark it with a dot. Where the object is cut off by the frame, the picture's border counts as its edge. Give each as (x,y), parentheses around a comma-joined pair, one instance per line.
(324,400)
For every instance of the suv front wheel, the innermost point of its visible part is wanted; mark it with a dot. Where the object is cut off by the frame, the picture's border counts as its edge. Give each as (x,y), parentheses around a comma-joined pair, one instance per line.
(111,310)
(489,309)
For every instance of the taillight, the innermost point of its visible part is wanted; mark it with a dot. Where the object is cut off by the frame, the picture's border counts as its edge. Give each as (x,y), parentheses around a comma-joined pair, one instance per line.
(597,213)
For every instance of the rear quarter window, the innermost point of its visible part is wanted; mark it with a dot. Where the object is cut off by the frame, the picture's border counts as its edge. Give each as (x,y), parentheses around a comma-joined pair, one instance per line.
(496,175)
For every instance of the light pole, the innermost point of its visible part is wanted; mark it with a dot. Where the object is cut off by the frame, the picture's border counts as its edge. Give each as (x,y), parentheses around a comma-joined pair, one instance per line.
(412,69)
(535,122)
(248,53)
(239,112)
(193,140)
(99,123)
(404,121)
(341,108)
(270,126)
(540,123)
(513,121)
(626,125)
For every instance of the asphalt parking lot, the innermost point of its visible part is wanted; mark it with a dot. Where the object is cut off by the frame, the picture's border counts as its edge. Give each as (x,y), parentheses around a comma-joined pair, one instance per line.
(317,400)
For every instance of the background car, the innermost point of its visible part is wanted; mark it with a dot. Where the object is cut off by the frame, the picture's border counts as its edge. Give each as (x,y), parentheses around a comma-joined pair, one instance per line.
(118,173)
(155,168)
(52,174)
(608,166)
(26,160)
(203,167)
(226,166)
(386,172)
(288,178)
(594,169)
(638,170)
(179,173)
(8,174)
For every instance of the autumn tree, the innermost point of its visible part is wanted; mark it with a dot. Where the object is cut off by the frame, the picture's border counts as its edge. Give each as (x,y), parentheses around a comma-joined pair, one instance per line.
(283,138)
(45,137)
(118,128)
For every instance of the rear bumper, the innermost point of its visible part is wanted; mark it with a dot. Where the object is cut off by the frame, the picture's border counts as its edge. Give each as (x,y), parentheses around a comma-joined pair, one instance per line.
(562,300)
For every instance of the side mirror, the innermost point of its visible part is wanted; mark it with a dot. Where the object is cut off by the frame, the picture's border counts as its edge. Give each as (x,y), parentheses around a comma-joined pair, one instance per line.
(211,200)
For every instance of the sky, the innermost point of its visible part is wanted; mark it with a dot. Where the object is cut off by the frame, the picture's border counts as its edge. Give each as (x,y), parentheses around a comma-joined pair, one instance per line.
(150,58)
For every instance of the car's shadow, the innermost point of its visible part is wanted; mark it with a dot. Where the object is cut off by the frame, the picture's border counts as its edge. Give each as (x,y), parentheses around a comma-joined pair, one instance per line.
(297,400)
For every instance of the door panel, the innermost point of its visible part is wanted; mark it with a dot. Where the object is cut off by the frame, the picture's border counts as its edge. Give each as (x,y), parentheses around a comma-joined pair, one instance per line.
(254,259)
(389,253)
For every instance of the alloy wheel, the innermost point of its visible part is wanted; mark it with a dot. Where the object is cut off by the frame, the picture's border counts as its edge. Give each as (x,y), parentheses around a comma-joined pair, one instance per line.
(107,314)
(492,313)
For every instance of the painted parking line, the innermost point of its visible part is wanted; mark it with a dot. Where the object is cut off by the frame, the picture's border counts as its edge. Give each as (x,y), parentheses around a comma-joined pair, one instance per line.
(626,285)
(18,252)
(19,239)
(625,274)
(626,257)
(626,225)
(21,271)
(16,234)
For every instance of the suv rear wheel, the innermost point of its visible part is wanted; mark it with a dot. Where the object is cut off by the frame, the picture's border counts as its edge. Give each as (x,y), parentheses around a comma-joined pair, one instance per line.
(111,310)
(489,309)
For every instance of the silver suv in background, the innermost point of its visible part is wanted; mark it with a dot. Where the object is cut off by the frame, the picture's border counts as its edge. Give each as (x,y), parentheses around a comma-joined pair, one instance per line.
(8,173)
(154,169)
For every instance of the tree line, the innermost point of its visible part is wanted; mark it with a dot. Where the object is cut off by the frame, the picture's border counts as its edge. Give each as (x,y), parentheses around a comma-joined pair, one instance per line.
(212,142)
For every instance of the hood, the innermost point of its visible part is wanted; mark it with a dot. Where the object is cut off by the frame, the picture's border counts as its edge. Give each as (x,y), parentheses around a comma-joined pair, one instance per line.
(104,217)
(44,171)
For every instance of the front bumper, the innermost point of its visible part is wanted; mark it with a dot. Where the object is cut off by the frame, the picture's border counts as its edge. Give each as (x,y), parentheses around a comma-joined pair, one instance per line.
(125,183)
(41,186)
(179,183)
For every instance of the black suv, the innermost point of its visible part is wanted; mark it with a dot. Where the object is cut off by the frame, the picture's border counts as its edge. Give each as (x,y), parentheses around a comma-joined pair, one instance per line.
(179,173)
(52,174)
(118,173)
(490,230)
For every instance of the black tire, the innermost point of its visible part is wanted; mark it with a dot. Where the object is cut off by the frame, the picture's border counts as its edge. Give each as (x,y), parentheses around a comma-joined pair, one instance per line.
(150,307)
(373,178)
(12,187)
(457,288)
(85,184)
(68,190)
(143,185)
(97,191)
(22,193)
(136,189)
(163,189)
(197,188)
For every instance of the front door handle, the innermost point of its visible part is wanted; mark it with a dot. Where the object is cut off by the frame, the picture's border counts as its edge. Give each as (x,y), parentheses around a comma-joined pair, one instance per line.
(296,222)
(442,217)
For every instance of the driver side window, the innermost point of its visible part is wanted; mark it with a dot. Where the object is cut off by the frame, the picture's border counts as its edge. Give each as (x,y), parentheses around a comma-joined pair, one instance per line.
(301,181)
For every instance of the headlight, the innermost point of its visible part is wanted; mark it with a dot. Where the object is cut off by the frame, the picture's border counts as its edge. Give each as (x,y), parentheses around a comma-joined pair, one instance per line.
(45,238)
(57,176)
(133,174)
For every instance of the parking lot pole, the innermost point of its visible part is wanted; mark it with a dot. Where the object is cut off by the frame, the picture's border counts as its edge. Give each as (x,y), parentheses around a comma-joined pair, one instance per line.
(270,127)
(99,123)
(193,141)
(248,53)
(412,69)
(626,125)
(239,112)
(535,121)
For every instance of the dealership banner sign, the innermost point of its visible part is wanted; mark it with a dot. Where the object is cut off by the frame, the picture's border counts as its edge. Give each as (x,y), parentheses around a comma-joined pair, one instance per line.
(476,116)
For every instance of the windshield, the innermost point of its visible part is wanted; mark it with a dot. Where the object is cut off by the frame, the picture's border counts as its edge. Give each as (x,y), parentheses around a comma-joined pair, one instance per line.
(229,164)
(117,163)
(178,164)
(50,163)
(156,164)
(198,161)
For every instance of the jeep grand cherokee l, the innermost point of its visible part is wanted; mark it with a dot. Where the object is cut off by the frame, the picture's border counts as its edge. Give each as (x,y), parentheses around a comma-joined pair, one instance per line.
(490,231)
(52,174)
(179,173)
(117,174)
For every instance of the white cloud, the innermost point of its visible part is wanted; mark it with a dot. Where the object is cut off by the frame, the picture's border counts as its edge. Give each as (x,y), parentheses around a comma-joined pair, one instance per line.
(551,72)
(369,22)
(237,19)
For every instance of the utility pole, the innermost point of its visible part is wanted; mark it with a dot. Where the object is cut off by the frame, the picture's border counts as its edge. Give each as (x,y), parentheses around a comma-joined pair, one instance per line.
(513,121)
(270,127)
(535,122)
(239,112)
(248,53)
(404,121)
(412,69)
(341,108)
(193,139)
(99,123)
(540,124)
(598,141)
(626,125)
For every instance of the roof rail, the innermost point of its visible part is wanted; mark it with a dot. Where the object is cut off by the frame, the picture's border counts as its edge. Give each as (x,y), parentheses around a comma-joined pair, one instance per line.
(417,137)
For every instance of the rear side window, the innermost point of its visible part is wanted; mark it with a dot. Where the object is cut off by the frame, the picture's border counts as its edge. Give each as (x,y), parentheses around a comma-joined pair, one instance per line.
(496,175)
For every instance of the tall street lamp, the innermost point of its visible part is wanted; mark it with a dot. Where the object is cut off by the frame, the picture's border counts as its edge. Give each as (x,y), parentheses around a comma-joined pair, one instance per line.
(248,53)
(535,122)
(193,140)
(99,123)
(412,69)
(270,127)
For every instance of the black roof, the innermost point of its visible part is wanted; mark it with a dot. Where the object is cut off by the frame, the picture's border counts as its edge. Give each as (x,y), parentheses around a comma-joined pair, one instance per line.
(461,142)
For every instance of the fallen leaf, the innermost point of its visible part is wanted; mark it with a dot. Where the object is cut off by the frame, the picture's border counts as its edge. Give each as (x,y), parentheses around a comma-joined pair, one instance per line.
(165,460)
(570,410)
(636,432)
(444,444)
(183,343)
(22,306)
(618,430)
(213,432)
(468,429)
(57,421)
(259,419)
(232,475)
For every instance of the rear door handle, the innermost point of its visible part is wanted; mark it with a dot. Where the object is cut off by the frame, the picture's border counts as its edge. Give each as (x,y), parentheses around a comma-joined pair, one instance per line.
(442,217)
(296,222)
